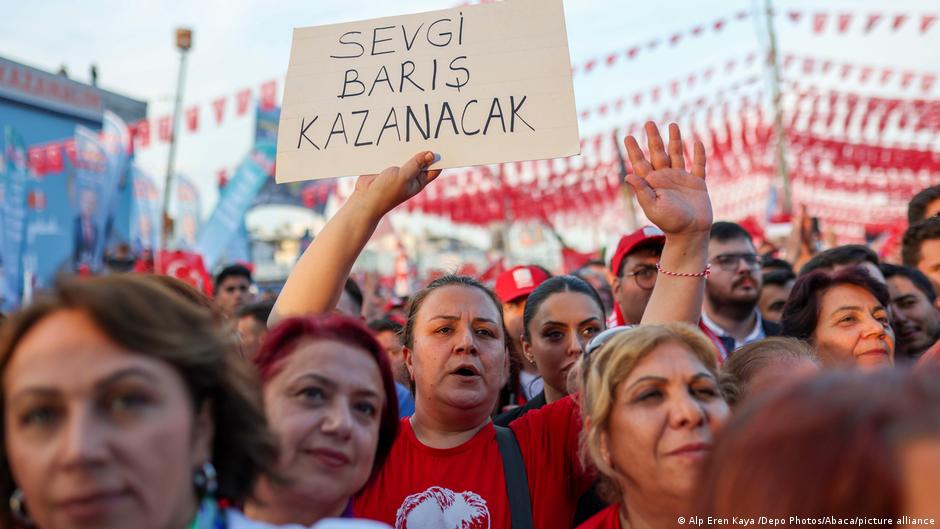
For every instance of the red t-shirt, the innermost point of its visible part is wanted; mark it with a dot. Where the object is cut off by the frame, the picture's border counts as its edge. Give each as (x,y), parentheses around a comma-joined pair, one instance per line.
(464,487)
(609,518)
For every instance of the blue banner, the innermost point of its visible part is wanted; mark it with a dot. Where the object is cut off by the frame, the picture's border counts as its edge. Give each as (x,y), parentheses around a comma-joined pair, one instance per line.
(93,180)
(235,200)
(266,122)
(145,213)
(188,214)
(50,221)
(117,143)
(14,179)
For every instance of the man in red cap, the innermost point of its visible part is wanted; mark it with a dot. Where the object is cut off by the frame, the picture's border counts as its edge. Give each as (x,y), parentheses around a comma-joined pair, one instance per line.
(633,273)
(513,288)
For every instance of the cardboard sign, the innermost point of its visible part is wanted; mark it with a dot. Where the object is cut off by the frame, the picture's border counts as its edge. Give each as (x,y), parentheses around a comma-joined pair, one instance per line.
(477,84)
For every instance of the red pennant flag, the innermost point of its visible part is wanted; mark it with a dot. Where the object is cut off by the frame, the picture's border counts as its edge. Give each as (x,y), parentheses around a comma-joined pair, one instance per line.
(826,66)
(709,72)
(192,119)
(37,159)
(927,82)
(242,99)
(898,21)
(221,178)
(674,88)
(926,21)
(602,110)
(652,44)
(906,79)
(886,75)
(142,132)
(741,15)
(219,107)
(165,128)
(70,151)
(808,64)
(585,114)
(873,19)
(843,23)
(675,38)
(269,95)
(865,75)
(53,157)
(846,70)
(819,22)
(588,66)
(611,59)
(637,98)
(691,79)
(697,30)
(795,16)
(730,65)
(788,60)
(631,53)
(619,104)
(718,24)
(655,94)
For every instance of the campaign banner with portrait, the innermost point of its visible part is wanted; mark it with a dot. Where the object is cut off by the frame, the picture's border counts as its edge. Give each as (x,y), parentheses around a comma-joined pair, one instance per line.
(14,174)
(188,214)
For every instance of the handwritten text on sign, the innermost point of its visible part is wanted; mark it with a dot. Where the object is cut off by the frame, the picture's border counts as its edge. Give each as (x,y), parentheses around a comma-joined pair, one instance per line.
(478,84)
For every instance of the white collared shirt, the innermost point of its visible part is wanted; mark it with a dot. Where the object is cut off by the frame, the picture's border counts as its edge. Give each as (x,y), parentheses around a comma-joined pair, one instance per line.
(757,333)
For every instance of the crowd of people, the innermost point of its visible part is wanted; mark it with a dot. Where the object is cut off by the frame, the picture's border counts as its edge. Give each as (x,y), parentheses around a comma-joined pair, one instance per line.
(686,378)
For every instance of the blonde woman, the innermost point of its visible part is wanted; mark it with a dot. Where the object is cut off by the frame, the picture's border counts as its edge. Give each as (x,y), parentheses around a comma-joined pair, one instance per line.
(651,407)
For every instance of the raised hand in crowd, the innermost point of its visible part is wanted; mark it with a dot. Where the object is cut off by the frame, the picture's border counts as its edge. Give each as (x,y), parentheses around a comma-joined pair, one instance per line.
(316,282)
(677,201)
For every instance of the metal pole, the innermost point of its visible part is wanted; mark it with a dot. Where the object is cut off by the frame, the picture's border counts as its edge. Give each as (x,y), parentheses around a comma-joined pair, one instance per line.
(779,133)
(164,240)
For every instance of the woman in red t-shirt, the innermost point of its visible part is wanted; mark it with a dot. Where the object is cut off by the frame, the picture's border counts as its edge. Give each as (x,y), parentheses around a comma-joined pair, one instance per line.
(651,406)
(444,469)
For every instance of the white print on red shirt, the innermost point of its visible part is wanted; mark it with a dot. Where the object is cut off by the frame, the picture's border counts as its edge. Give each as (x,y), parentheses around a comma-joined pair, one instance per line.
(442,508)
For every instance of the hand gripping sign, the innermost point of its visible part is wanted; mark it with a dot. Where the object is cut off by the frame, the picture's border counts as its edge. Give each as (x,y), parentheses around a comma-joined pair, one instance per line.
(480,84)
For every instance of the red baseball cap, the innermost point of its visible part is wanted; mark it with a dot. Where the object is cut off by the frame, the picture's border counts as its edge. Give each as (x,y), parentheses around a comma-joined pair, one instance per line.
(628,243)
(519,281)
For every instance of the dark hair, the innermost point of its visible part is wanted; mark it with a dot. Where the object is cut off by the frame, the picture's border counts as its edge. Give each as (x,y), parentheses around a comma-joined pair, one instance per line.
(741,367)
(801,312)
(553,286)
(260,311)
(778,277)
(284,339)
(190,293)
(827,446)
(446,281)
(917,278)
(847,255)
(385,325)
(917,207)
(775,263)
(914,237)
(727,231)
(143,316)
(352,288)
(235,270)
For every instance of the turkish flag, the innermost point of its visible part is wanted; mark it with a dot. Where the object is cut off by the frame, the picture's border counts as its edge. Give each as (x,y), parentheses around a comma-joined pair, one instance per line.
(165,128)
(269,95)
(218,106)
(187,267)
(142,132)
(242,99)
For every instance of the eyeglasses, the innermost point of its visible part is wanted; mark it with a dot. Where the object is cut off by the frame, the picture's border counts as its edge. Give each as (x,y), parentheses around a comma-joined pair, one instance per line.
(645,276)
(232,289)
(729,261)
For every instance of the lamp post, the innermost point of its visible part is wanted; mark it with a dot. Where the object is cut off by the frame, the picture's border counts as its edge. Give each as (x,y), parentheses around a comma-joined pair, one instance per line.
(184,41)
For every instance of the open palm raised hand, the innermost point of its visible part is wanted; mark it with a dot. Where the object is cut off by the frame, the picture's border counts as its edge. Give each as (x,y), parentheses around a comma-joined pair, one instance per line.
(674,199)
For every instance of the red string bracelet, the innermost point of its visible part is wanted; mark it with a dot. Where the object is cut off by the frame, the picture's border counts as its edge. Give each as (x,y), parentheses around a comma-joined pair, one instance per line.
(704,273)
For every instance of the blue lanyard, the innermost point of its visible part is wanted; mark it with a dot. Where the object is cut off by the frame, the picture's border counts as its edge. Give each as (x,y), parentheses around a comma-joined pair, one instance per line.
(209,516)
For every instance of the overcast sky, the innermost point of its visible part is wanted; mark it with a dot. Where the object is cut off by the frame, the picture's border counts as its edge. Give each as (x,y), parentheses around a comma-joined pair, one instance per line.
(242,43)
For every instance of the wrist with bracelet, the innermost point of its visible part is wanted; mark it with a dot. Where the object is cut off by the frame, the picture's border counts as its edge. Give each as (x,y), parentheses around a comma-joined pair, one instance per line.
(703,274)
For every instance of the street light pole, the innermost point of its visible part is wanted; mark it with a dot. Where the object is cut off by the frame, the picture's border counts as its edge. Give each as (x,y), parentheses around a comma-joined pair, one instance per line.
(184,41)
(780,137)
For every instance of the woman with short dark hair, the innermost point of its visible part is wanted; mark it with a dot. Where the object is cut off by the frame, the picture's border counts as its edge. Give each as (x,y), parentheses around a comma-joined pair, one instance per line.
(123,407)
(843,316)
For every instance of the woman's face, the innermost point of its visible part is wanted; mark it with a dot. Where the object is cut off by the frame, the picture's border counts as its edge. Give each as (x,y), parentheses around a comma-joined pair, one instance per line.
(459,360)
(325,405)
(563,325)
(853,329)
(97,435)
(664,420)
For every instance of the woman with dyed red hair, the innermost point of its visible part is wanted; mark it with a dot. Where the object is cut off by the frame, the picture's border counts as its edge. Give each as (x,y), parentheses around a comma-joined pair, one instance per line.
(330,398)
(845,444)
